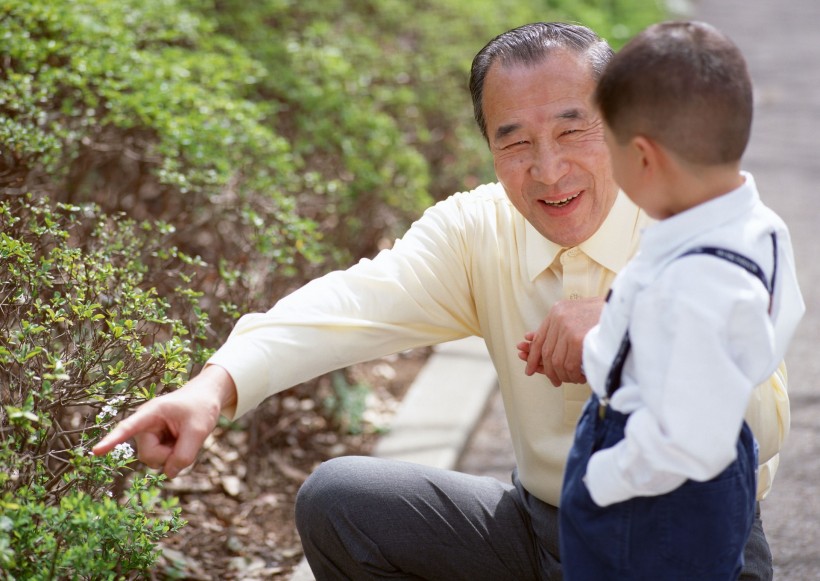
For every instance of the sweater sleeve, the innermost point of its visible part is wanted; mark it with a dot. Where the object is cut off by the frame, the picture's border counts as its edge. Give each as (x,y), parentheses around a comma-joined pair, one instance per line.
(416,293)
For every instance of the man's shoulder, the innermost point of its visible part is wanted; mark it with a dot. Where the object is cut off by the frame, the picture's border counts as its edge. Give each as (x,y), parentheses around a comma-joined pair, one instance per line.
(484,206)
(489,192)
(485,201)
(483,214)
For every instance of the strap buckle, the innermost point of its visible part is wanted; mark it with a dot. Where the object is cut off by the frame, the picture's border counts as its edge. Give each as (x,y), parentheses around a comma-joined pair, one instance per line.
(603,403)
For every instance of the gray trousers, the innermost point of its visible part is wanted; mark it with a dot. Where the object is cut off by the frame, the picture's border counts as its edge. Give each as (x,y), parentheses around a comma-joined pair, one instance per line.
(367,518)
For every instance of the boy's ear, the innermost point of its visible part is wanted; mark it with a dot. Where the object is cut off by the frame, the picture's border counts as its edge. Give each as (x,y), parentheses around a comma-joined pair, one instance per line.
(648,153)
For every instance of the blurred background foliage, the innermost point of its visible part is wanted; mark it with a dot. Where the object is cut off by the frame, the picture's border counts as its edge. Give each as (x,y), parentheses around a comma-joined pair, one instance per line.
(280,138)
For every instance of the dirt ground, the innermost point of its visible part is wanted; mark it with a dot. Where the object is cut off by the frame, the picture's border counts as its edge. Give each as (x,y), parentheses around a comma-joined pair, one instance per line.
(238,498)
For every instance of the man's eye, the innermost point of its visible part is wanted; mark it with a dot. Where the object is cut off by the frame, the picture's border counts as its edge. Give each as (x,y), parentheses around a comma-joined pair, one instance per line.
(570,131)
(515,144)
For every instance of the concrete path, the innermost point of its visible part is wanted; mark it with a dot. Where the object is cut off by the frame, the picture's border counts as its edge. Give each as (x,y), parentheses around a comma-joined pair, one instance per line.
(781,43)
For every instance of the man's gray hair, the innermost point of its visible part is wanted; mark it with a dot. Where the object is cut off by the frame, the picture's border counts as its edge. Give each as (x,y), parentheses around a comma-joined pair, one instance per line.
(531,44)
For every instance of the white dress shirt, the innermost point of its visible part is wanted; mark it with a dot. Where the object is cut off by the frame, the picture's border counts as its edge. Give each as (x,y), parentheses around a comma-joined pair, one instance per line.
(702,338)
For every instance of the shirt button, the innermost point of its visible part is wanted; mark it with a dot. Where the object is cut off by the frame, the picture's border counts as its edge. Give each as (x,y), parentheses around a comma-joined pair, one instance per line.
(572,252)
(574,296)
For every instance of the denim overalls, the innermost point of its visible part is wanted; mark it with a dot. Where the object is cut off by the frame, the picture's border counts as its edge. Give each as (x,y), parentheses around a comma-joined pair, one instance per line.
(697,532)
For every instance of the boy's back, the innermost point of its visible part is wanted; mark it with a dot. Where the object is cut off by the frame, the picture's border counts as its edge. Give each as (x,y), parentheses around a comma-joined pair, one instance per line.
(702,337)
(660,481)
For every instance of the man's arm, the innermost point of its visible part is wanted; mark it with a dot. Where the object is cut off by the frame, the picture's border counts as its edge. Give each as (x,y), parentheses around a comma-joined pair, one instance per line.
(414,294)
(768,413)
(170,430)
(768,416)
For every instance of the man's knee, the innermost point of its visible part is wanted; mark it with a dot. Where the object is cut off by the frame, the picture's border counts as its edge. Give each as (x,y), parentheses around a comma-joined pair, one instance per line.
(757,555)
(327,489)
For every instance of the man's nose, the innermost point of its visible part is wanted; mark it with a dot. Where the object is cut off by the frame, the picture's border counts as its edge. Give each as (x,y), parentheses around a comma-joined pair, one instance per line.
(549,164)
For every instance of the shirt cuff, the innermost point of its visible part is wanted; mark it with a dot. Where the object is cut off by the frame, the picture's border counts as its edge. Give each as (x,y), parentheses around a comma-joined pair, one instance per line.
(248,368)
(604,481)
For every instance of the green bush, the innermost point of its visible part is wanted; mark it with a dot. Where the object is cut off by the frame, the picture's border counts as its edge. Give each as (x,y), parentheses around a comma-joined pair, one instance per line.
(84,338)
(138,107)
(372,95)
(281,139)
(84,536)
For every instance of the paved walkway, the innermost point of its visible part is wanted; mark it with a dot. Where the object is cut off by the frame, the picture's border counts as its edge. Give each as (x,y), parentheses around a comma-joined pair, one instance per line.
(781,45)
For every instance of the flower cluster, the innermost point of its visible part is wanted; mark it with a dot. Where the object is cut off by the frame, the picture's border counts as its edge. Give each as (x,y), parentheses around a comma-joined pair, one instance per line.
(110,410)
(122,452)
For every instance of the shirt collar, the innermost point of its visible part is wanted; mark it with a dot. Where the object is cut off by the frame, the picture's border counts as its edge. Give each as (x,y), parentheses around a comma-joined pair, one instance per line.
(666,237)
(611,246)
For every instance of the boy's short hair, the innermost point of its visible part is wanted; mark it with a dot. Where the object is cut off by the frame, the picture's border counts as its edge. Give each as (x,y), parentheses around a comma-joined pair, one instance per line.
(684,85)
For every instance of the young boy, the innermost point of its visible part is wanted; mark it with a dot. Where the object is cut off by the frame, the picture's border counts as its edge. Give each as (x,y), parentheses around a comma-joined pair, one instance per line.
(660,482)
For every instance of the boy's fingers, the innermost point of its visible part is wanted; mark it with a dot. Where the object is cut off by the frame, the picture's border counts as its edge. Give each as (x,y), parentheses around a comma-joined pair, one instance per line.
(534,355)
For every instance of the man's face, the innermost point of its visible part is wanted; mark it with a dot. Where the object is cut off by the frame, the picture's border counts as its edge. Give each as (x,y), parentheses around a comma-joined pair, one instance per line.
(548,147)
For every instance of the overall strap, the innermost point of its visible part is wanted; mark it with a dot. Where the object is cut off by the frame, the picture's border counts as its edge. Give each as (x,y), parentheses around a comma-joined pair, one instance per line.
(613,380)
(736,258)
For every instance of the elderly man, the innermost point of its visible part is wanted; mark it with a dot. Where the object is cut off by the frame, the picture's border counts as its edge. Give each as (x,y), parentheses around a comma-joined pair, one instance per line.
(546,240)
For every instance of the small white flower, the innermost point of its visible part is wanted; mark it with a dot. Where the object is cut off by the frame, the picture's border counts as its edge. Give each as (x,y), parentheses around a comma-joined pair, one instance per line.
(109,410)
(122,451)
(106,412)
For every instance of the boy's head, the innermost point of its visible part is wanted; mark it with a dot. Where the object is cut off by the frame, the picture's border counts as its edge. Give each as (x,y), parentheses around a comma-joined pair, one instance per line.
(685,86)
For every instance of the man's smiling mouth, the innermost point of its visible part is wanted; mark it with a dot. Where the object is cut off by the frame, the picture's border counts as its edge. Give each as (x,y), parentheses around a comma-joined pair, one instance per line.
(561,203)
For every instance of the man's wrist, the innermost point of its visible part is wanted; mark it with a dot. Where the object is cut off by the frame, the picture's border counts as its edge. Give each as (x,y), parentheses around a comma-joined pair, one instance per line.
(219,378)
